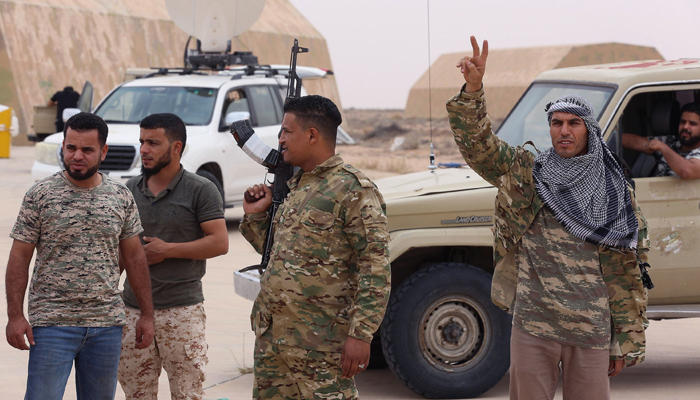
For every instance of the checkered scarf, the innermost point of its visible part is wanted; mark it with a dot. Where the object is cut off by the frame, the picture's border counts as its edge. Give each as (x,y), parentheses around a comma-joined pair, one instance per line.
(588,194)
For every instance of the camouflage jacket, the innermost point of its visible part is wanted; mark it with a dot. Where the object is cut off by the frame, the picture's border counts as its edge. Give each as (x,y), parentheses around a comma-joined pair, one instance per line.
(517,203)
(328,275)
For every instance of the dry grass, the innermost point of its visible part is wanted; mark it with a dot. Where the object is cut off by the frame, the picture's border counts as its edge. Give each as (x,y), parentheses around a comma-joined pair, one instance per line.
(376,131)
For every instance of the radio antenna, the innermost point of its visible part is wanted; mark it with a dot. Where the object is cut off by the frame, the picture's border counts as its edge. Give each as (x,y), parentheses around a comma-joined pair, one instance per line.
(431,167)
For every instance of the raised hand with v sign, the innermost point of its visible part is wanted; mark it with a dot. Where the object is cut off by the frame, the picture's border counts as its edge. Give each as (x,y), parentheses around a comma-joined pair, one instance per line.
(474,67)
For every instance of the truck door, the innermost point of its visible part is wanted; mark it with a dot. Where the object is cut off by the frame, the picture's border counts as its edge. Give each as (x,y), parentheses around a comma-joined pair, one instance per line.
(85,100)
(670,204)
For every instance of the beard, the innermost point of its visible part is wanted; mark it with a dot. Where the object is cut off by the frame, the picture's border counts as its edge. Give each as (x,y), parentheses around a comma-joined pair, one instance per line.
(81,176)
(690,141)
(160,164)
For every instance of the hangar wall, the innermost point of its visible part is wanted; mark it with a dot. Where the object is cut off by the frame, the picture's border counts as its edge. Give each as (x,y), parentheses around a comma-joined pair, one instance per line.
(48,44)
(510,72)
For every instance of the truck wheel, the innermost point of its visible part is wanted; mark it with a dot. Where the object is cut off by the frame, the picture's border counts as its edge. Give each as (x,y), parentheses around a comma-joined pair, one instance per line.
(206,174)
(442,336)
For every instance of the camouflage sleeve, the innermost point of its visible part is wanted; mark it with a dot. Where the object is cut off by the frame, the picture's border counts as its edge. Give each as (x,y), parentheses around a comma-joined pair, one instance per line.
(366,230)
(489,156)
(27,228)
(253,228)
(627,296)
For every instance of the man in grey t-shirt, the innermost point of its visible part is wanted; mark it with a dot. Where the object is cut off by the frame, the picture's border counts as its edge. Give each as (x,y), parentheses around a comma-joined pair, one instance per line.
(183,219)
(82,224)
(680,154)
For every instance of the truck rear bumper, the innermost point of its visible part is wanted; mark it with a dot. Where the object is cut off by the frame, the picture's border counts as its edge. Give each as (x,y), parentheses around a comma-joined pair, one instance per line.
(38,137)
(247,284)
(673,311)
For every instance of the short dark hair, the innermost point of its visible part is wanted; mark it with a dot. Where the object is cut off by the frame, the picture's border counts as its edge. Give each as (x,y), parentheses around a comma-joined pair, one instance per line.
(691,107)
(318,112)
(175,129)
(83,122)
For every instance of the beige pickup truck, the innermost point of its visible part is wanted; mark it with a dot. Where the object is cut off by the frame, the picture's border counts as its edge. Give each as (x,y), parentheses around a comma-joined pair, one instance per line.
(442,336)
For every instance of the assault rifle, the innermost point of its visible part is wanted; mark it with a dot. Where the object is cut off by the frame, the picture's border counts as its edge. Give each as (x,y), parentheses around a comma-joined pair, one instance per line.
(272,159)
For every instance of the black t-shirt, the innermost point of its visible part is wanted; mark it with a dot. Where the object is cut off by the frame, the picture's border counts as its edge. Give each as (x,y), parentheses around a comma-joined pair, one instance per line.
(65,99)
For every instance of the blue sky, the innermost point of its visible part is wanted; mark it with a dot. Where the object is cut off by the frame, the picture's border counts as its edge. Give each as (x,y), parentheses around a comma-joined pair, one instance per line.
(379,48)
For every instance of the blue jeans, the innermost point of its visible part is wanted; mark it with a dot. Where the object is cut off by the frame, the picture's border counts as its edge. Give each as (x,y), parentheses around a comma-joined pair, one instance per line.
(96,355)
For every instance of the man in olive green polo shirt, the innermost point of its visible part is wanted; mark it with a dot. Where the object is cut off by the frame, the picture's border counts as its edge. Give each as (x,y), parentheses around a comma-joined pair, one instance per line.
(183,219)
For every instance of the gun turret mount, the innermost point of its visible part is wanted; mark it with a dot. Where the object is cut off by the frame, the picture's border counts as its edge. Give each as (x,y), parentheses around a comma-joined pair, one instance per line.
(197,59)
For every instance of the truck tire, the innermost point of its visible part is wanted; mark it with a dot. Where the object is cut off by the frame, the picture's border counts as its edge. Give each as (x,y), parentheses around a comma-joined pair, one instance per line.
(206,174)
(442,336)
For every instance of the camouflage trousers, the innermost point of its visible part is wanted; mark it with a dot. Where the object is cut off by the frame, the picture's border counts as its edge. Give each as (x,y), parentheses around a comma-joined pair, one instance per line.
(288,372)
(178,346)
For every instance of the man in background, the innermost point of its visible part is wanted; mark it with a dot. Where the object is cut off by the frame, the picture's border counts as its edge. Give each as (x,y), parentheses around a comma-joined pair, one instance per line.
(680,154)
(66,98)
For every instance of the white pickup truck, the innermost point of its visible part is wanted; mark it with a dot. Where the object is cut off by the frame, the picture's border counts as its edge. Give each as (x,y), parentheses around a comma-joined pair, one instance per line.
(207,103)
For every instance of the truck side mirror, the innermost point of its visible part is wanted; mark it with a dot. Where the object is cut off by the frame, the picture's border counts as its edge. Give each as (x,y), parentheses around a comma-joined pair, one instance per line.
(69,112)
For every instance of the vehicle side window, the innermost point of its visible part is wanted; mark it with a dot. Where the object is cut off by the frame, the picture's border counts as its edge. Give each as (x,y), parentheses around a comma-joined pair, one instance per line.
(236,100)
(264,105)
(647,116)
(119,106)
(277,101)
(195,105)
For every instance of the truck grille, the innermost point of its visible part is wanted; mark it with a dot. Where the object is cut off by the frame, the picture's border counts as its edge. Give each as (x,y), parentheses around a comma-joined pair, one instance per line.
(119,158)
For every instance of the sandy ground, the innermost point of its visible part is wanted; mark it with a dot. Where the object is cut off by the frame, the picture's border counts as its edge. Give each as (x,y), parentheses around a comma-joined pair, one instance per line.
(672,369)
(390,144)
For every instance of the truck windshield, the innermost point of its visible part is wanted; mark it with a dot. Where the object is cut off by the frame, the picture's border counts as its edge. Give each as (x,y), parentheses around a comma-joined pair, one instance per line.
(528,120)
(129,105)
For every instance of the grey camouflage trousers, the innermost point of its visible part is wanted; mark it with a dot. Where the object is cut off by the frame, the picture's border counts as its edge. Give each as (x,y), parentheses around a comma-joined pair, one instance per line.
(179,347)
(293,373)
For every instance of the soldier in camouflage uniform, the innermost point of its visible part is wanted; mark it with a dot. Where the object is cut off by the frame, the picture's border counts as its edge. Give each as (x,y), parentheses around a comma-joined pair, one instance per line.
(79,221)
(325,289)
(569,277)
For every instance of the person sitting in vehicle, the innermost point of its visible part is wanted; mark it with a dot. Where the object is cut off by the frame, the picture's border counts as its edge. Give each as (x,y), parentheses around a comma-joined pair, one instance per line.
(681,153)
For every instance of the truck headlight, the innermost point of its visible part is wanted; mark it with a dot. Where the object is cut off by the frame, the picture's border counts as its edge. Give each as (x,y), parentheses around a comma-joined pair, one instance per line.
(46,153)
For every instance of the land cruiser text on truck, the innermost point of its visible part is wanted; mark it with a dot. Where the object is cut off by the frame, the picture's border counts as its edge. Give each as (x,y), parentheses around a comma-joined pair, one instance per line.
(441,335)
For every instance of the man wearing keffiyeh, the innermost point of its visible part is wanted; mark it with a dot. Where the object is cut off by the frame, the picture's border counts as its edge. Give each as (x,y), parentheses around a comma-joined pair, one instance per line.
(568,236)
